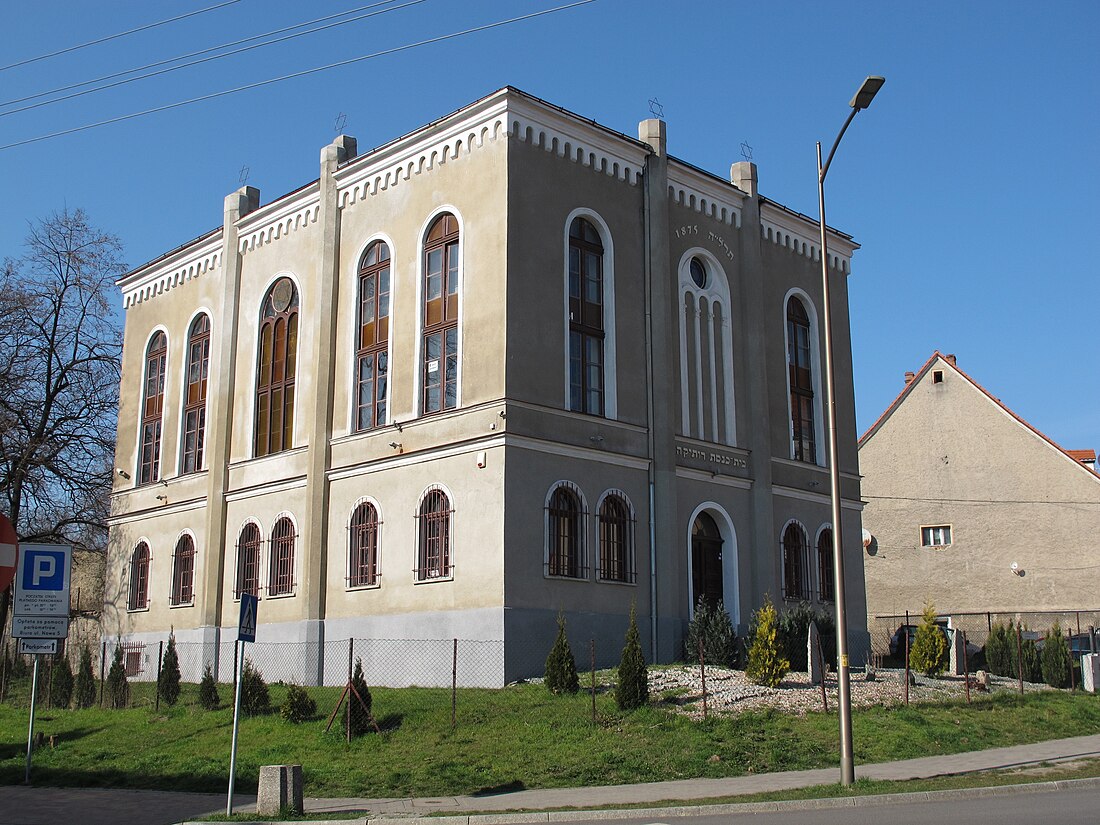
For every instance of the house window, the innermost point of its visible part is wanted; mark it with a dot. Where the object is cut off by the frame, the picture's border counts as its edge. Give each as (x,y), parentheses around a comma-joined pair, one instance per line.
(133,657)
(938,536)
(276,369)
(152,408)
(248,561)
(439,377)
(183,571)
(826,578)
(796,551)
(433,558)
(586,321)
(799,355)
(616,525)
(565,520)
(281,578)
(363,548)
(372,358)
(194,410)
(937,376)
(139,578)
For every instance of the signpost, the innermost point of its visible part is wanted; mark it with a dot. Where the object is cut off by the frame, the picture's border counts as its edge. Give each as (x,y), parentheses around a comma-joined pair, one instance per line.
(246,632)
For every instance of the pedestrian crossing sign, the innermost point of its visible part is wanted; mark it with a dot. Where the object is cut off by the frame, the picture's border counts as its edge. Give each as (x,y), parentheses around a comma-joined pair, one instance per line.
(246,630)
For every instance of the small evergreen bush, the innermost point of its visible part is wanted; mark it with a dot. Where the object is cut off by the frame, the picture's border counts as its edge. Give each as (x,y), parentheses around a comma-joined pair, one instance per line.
(299,706)
(84,688)
(117,688)
(1055,658)
(929,652)
(1000,651)
(766,663)
(1032,666)
(61,688)
(360,715)
(168,684)
(208,690)
(561,667)
(794,629)
(632,691)
(255,699)
(712,627)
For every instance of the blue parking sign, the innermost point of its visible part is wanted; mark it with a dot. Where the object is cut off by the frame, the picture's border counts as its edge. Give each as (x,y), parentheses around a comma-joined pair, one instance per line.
(43,569)
(42,580)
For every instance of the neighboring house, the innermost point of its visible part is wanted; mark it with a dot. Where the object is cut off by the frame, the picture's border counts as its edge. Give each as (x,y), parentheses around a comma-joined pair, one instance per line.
(972,508)
(509,364)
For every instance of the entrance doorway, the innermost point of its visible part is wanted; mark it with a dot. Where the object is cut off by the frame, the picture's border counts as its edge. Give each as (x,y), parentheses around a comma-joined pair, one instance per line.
(706,560)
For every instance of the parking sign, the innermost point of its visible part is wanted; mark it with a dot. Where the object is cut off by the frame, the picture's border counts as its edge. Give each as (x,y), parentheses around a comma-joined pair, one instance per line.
(42,582)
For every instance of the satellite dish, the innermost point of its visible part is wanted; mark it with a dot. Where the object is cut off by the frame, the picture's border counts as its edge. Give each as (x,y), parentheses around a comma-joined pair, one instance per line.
(867,538)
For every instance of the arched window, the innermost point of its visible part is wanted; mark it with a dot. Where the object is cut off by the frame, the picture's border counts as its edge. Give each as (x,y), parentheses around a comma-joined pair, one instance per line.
(706,561)
(565,549)
(586,319)
(281,574)
(433,558)
(152,407)
(826,578)
(276,369)
(139,578)
(183,571)
(363,547)
(372,358)
(616,540)
(801,377)
(248,561)
(706,352)
(194,409)
(796,563)
(439,378)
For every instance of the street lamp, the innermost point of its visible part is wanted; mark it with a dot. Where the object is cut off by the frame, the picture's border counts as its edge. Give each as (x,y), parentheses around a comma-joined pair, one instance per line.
(858,103)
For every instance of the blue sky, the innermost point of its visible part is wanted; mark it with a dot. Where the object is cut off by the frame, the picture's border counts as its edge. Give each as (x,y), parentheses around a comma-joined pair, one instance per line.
(971,182)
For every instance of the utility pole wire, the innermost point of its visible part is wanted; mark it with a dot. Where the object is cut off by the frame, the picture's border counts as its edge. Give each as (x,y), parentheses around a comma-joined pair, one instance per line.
(293,75)
(116,36)
(196,54)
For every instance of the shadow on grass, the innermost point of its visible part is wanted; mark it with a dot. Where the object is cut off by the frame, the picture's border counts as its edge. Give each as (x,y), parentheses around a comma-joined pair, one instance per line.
(46,776)
(499,790)
(390,722)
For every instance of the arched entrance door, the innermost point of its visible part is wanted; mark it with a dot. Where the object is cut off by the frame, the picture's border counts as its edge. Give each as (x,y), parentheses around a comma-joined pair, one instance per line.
(706,560)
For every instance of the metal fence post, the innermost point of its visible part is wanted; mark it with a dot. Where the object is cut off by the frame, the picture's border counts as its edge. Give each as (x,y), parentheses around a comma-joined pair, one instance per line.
(703,677)
(907,657)
(160,664)
(592,656)
(102,663)
(454,685)
(966,668)
(1020,659)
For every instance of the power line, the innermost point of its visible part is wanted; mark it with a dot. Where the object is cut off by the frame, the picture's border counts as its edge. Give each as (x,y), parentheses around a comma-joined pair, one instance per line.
(982,500)
(200,52)
(293,75)
(146,27)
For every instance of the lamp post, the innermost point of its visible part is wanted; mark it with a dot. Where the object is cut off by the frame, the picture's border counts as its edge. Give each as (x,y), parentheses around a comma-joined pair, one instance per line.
(858,103)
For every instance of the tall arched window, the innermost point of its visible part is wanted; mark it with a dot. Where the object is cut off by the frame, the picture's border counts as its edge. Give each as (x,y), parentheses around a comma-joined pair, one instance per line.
(281,573)
(796,563)
(363,547)
(139,578)
(616,540)
(194,410)
(439,378)
(826,575)
(801,377)
(152,407)
(276,369)
(433,558)
(249,544)
(706,352)
(374,328)
(183,571)
(565,550)
(586,318)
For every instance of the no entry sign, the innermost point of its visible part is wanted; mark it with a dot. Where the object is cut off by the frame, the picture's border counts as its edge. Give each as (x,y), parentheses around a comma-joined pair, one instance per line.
(9,552)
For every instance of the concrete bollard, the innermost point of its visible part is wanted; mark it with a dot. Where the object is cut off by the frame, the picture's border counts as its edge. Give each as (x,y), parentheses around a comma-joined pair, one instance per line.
(280,790)
(1090,672)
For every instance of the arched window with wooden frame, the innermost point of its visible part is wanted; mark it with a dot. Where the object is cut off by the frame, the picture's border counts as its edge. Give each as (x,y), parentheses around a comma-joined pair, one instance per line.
(616,528)
(194,403)
(826,573)
(152,407)
(800,367)
(138,598)
(439,321)
(183,571)
(249,546)
(796,563)
(586,318)
(372,356)
(363,546)
(280,580)
(565,519)
(433,557)
(276,369)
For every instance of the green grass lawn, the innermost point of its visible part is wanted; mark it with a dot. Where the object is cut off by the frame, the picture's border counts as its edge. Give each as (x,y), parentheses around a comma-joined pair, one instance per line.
(520,736)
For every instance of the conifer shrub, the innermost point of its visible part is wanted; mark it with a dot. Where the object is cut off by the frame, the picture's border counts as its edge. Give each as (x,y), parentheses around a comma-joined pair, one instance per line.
(61,687)
(255,699)
(208,690)
(360,712)
(632,691)
(84,687)
(766,663)
(929,652)
(1055,659)
(712,627)
(168,683)
(298,706)
(794,629)
(117,689)
(1032,666)
(1000,651)
(561,667)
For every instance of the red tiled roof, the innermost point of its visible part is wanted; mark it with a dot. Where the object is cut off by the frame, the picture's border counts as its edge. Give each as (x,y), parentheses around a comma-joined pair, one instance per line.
(1082,455)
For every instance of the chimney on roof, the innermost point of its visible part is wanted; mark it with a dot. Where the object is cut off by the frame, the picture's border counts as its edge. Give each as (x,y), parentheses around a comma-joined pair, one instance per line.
(950,359)
(909,376)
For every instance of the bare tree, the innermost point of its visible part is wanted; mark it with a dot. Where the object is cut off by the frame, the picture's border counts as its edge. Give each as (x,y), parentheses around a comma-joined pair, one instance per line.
(60,346)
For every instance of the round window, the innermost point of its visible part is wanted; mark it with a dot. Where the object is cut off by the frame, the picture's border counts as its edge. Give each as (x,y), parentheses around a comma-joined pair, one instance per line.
(282,295)
(698,273)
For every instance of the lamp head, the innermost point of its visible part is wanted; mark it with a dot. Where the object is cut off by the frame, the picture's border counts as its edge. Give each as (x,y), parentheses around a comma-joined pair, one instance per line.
(867,92)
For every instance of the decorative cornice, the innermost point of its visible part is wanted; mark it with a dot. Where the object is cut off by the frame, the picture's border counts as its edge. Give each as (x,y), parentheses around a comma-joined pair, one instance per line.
(706,194)
(799,234)
(290,217)
(191,262)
